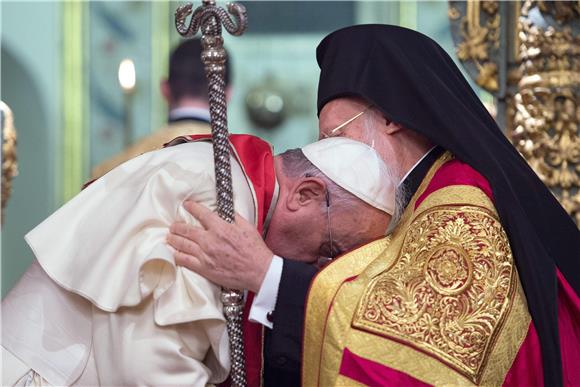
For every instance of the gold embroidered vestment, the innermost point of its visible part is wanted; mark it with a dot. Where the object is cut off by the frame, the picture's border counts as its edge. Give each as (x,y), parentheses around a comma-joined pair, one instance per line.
(438,300)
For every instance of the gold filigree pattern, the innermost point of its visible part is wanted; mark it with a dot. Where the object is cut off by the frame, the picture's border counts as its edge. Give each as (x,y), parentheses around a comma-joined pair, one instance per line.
(475,45)
(535,78)
(545,110)
(453,13)
(448,270)
(490,7)
(562,11)
(476,31)
(487,77)
(449,291)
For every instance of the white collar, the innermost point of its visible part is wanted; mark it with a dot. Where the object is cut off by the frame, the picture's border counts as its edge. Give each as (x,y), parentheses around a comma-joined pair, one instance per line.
(272,206)
(186,111)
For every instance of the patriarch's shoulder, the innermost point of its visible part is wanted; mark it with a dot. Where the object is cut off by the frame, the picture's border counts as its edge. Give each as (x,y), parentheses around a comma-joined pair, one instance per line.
(449,291)
(456,184)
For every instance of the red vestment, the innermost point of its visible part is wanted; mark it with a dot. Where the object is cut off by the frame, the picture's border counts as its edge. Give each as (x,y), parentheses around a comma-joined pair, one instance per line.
(400,313)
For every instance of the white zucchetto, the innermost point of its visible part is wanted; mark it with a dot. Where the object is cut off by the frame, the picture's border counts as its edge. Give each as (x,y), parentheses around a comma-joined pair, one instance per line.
(356,167)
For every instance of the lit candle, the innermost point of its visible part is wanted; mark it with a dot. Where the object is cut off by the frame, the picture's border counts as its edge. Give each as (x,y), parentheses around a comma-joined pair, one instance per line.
(127,81)
(127,75)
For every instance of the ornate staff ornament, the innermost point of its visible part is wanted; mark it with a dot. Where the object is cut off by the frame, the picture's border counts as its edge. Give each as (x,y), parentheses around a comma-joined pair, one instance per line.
(209,18)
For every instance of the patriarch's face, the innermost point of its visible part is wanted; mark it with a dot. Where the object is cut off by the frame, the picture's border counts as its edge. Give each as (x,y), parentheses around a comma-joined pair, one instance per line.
(343,117)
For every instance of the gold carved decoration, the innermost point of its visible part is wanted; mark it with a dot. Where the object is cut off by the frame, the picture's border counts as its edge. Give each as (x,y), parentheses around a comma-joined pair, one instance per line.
(449,291)
(9,163)
(545,109)
(453,13)
(538,71)
(562,11)
(477,33)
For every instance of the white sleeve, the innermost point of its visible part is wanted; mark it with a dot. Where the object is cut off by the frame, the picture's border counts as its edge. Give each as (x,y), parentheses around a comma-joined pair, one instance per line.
(265,301)
(108,242)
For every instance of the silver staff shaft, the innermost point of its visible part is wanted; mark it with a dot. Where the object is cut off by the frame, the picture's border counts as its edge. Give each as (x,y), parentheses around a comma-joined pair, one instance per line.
(209,18)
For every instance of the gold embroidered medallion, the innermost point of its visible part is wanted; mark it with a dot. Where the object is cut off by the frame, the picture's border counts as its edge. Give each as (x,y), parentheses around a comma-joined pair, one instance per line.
(449,291)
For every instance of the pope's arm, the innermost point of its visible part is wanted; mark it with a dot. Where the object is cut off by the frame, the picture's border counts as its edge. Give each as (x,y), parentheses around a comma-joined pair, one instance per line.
(110,243)
(234,255)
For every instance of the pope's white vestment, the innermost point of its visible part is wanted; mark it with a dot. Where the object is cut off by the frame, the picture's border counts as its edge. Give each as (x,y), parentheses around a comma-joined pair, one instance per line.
(105,304)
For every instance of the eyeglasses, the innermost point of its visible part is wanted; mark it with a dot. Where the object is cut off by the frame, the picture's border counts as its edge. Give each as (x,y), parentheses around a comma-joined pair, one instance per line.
(330,241)
(336,131)
(324,260)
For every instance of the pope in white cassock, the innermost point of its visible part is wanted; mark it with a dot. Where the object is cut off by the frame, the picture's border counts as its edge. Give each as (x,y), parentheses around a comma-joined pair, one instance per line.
(104,302)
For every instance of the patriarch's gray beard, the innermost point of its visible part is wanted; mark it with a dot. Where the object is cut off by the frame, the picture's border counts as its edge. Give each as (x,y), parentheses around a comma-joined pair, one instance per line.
(401,196)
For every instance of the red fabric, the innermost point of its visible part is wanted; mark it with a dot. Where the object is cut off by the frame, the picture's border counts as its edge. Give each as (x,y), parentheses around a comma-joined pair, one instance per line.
(257,160)
(255,156)
(569,327)
(253,346)
(527,367)
(455,172)
(371,373)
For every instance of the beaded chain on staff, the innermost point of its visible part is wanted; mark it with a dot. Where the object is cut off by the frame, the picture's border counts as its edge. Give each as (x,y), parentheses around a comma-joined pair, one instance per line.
(209,18)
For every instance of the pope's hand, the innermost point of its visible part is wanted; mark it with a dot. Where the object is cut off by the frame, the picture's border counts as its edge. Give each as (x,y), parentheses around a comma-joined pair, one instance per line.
(232,255)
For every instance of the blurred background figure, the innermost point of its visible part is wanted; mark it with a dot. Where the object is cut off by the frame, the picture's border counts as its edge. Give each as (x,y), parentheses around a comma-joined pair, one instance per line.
(185,91)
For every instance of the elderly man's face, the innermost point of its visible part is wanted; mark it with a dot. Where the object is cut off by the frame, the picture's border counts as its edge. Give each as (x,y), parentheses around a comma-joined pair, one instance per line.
(356,119)
(302,225)
(336,113)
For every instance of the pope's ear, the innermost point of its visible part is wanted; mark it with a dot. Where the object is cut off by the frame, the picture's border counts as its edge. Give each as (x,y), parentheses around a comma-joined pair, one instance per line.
(307,191)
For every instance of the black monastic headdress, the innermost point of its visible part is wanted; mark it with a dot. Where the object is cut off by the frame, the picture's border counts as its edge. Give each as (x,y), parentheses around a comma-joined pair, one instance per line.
(413,81)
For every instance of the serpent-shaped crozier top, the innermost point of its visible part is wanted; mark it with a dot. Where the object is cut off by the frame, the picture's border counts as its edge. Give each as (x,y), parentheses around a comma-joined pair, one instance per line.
(204,13)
